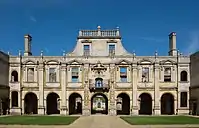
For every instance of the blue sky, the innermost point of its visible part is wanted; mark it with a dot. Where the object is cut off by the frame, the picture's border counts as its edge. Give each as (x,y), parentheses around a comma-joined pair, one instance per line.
(54,24)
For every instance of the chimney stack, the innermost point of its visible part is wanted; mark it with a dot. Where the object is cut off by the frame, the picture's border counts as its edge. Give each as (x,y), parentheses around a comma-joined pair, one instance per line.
(172,44)
(27,44)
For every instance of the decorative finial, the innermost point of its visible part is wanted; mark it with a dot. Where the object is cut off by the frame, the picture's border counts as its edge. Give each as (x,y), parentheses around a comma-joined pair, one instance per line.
(41,53)
(134,53)
(178,52)
(98,27)
(64,53)
(19,52)
(8,53)
(156,53)
(117,28)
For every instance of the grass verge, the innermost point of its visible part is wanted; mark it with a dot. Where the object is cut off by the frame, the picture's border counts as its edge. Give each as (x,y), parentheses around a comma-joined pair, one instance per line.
(160,120)
(37,120)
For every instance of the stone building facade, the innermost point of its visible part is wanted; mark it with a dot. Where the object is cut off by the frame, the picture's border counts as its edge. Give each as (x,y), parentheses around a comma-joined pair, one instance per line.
(99,65)
(4,83)
(194,85)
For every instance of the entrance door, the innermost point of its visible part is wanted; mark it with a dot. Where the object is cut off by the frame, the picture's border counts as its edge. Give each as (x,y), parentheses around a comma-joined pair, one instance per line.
(99,104)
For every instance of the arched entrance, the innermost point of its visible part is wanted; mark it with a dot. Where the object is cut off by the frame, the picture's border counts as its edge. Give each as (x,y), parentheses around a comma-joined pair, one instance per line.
(99,104)
(167,104)
(145,104)
(75,104)
(52,102)
(123,104)
(30,103)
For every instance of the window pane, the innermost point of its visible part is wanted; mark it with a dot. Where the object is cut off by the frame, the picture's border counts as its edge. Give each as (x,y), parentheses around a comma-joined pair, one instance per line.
(86,47)
(52,75)
(51,70)
(75,69)
(145,74)
(111,47)
(74,79)
(123,79)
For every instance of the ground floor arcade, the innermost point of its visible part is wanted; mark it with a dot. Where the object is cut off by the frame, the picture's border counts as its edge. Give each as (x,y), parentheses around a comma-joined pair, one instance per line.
(119,103)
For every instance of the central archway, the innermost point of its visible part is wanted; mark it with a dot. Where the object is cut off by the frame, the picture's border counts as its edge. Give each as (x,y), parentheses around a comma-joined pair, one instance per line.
(52,103)
(145,104)
(75,104)
(99,104)
(167,104)
(123,104)
(30,103)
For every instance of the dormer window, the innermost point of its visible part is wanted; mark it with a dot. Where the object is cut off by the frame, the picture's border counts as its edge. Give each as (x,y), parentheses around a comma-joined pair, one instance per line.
(111,49)
(86,50)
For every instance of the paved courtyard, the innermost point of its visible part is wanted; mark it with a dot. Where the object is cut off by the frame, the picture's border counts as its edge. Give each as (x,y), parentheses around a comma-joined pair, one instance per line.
(99,121)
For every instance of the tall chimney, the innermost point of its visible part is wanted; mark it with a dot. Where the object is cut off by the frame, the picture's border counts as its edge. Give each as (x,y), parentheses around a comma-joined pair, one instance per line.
(27,45)
(172,44)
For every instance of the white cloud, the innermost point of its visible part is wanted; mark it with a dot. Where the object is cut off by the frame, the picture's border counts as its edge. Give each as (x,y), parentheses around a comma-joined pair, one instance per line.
(193,44)
(33,19)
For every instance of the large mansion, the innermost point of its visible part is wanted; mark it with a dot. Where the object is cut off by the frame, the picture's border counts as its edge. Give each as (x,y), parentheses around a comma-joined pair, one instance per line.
(99,76)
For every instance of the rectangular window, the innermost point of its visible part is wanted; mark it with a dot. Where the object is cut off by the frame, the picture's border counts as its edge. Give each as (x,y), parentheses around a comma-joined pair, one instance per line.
(30,75)
(111,49)
(183,99)
(86,50)
(167,75)
(52,75)
(145,74)
(75,74)
(123,74)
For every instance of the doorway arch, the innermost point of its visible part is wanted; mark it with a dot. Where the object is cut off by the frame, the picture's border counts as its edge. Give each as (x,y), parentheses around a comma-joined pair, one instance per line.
(145,104)
(31,103)
(123,104)
(167,104)
(52,102)
(99,103)
(75,104)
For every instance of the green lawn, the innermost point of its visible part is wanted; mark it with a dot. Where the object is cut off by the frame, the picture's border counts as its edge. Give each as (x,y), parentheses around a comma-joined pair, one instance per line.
(161,120)
(38,120)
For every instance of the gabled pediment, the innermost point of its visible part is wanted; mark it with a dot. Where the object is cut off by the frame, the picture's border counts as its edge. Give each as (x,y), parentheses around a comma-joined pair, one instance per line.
(86,41)
(52,62)
(123,62)
(167,62)
(29,62)
(75,62)
(111,41)
(145,61)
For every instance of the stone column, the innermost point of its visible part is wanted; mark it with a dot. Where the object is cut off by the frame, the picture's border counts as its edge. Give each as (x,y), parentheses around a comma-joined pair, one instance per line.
(112,108)
(156,108)
(41,80)
(20,96)
(135,78)
(86,108)
(63,73)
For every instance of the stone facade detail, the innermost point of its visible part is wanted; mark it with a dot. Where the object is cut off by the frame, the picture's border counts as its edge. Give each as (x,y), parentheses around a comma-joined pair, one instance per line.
(99,66)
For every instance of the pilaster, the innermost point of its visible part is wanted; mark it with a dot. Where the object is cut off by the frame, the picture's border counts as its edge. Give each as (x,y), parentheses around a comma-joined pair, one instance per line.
(156,90)
(86,108)
(112,106)
(63,109)
(41,80)
(134,110)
